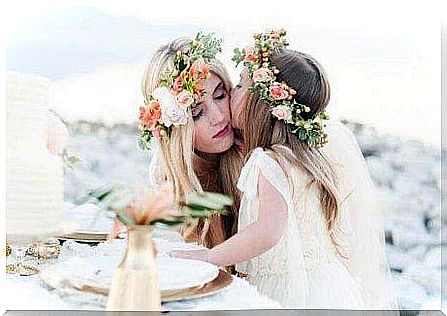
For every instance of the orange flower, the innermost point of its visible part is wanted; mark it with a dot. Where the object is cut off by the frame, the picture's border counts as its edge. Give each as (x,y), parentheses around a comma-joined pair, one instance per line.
(151,114)
(199,69)
(199,87)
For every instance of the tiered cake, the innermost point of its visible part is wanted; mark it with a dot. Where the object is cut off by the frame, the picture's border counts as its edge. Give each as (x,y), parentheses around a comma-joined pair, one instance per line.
(35,184)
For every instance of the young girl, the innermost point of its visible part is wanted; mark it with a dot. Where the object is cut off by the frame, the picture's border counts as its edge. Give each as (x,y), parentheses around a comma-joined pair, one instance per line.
(304,184)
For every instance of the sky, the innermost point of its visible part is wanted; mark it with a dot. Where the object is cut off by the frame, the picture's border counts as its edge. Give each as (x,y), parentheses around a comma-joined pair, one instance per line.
(383,61)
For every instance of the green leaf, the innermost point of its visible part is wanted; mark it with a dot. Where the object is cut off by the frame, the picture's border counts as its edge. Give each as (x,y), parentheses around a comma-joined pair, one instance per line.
(209,200)
(302,135)
(124,218)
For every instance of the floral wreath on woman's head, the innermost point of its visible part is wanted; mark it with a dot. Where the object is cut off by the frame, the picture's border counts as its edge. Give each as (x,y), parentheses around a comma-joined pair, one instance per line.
(278,95)
(180,87)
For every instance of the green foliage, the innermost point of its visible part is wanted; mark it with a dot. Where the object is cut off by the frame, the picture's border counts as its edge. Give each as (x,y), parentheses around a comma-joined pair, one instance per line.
(70,160)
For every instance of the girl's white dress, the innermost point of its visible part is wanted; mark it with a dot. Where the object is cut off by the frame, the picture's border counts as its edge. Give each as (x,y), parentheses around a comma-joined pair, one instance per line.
(304,270)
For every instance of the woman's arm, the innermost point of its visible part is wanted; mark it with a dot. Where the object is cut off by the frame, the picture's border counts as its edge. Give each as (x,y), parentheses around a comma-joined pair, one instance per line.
(256,238)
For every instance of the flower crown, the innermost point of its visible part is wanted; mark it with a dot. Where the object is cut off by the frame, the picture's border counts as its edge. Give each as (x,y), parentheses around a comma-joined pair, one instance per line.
(278,95)
(180,87)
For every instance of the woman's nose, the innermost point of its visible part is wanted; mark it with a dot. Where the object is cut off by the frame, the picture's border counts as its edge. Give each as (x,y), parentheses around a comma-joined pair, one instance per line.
(216,116)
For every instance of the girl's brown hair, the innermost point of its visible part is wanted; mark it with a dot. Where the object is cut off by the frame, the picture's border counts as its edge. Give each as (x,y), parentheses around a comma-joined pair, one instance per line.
(305,75)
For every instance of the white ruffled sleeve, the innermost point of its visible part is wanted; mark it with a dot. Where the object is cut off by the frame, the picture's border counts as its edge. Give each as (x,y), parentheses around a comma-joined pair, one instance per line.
(260,162)
(290,244)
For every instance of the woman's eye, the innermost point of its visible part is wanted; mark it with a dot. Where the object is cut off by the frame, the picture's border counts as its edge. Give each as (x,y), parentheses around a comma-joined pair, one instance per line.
(197,115)
(220,96)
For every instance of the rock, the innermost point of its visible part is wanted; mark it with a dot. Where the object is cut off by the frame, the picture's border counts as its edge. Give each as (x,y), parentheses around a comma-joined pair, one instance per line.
(410,295)
(433,258)
(410,232)
(429,278)
(399,259)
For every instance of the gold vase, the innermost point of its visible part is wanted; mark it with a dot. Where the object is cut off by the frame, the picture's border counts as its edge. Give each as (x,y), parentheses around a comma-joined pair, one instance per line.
(135,285)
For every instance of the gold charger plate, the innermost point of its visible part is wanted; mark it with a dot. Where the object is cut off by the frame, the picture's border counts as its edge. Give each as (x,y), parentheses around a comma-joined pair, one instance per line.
(84,237)
(222,280)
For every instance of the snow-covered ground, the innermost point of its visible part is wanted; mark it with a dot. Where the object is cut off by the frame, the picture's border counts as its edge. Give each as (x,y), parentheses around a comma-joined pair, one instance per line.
(406,172)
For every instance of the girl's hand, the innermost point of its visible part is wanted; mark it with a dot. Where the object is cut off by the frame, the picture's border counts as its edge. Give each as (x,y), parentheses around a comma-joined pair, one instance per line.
(201,254)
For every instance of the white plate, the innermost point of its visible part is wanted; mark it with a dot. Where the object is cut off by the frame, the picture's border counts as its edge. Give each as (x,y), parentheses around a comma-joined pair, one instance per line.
(86,219)
(174,273)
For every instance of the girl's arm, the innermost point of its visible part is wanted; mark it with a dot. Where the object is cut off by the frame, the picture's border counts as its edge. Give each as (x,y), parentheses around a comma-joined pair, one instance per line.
(256,238)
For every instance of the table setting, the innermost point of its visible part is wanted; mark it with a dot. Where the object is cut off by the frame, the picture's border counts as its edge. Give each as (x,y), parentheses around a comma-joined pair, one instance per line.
(77,270)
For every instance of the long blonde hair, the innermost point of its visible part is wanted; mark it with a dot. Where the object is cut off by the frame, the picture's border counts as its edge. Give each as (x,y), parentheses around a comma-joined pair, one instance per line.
(306,76)
(175,154)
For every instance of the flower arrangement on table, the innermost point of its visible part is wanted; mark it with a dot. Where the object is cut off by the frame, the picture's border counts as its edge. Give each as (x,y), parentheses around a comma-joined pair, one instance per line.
(156,205)
(137,272)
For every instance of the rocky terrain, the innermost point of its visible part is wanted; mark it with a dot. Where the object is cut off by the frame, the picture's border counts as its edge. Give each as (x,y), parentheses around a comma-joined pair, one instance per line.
(406,172)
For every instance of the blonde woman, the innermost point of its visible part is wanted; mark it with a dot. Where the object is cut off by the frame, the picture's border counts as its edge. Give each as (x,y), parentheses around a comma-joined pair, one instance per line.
(301,183)
(190,156)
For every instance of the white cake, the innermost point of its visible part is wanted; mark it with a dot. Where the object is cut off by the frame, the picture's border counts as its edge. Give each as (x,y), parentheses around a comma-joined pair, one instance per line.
(35,187)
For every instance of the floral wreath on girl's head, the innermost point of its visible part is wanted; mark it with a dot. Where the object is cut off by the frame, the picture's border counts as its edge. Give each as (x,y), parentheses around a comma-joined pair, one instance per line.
(278,95)
(180,87)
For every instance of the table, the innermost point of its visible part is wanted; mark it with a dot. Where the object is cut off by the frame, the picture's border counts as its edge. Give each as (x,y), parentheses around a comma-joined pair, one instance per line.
(31,293)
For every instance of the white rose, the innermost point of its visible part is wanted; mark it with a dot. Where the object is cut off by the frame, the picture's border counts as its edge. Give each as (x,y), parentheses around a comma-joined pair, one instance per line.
(262,75)
(282,112)
(174,116)
(171,113)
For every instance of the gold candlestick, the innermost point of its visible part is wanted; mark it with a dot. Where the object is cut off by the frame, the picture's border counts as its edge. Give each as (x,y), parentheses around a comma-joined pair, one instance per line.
(8,249)
(135,285)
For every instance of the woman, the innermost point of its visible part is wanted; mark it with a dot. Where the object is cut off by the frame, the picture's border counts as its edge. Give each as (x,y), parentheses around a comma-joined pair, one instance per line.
(190,156)
(301,238)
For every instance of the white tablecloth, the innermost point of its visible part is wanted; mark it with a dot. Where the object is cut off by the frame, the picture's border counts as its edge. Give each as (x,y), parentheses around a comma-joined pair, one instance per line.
(32,293)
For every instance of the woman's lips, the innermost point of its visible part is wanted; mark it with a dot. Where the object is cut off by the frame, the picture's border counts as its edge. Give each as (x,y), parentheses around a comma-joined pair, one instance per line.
(223,132)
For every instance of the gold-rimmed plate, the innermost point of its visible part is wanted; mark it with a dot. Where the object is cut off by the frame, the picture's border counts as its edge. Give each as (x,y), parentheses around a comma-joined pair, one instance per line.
(84,237)
(223,280)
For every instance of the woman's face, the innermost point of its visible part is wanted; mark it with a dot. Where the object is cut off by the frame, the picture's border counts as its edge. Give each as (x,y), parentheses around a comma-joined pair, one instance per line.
(212,118)
(239,98)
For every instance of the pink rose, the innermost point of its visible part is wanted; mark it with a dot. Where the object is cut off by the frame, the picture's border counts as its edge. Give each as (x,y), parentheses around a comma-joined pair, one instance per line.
(250,54)
(282,112)
(185,99)
(178,85)
(277,92)
(156,133)
(262,75)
